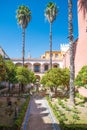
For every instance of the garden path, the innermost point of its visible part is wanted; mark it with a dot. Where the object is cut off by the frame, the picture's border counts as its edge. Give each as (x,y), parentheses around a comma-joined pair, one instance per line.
(40,116)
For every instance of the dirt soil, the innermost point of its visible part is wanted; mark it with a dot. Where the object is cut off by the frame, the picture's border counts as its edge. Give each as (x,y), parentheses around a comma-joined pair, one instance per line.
(7,112)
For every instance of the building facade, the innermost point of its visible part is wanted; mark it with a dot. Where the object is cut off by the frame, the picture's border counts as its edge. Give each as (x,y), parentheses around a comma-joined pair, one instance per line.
(80,45)
(40,65)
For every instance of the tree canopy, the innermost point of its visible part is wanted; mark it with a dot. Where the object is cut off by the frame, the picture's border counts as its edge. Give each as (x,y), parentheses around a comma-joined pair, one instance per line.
(51,11)
(10,72)
(2,69)
(25,76)
(81,78)
(56,77)
(23,16)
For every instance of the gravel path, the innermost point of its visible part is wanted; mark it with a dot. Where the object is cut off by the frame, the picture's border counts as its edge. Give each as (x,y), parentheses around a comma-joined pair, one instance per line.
(39,117)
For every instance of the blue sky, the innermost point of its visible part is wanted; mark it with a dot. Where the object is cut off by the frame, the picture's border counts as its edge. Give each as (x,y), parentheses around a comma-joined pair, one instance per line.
(37,32)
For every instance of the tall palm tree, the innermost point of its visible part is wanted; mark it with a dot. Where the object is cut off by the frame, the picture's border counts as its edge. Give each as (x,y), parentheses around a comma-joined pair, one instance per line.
(23,16)
(71,51)
(51,13)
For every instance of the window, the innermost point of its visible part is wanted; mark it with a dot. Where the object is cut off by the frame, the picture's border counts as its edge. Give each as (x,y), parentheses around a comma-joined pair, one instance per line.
(46,67)
(51,55)
(36,68)
(56,55)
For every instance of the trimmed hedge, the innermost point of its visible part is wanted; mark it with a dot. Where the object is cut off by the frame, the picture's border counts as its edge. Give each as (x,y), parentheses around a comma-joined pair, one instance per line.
(74,127)
(5,127)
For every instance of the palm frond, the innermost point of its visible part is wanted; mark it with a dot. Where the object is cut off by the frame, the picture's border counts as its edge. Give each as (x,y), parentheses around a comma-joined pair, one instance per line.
(23,15)
(51,11)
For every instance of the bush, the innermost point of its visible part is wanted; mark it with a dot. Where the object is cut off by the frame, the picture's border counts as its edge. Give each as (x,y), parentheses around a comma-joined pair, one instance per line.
(19,120)
(74,127)
(81,78)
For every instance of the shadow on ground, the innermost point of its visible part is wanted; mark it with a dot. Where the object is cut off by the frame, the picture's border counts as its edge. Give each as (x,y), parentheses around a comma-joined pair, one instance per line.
(39,118)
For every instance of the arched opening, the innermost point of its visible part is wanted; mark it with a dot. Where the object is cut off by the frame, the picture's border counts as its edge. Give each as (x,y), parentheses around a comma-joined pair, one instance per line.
(18,64)
(46,67)
(37,77)
(37,67)
(55,65)
(28,65)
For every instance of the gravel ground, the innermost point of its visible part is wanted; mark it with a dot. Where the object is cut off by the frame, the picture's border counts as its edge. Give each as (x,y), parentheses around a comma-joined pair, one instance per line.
(39,118)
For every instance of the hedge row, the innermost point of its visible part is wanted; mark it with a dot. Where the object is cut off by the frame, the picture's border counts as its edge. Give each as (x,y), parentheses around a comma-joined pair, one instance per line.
(74,127)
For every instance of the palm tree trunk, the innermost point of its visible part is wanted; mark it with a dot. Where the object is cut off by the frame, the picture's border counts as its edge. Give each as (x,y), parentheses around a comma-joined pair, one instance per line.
(50,45)
(71,53)
(23,47)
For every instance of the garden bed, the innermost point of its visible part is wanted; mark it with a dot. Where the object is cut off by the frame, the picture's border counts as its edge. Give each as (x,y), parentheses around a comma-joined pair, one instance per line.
(11,111)
(70,118)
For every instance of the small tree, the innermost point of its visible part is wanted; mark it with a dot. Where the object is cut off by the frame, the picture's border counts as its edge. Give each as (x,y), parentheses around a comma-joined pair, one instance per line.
(10,73)
(81,78)
(32,77)
(24,76)
(65,77)
(44,79)
(53,78)
(2,69)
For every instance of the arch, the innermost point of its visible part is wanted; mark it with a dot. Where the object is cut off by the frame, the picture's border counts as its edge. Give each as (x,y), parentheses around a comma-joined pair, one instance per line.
(28,65)
(18,64)
(37,77)
(45,67)
(37,67)
(55,65)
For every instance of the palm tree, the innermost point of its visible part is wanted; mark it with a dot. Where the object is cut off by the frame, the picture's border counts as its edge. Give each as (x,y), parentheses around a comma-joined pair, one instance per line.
(71,51)
(51,13)
(23,16)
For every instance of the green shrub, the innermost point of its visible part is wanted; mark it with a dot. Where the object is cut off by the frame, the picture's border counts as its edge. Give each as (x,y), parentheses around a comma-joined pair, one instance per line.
(21,115)
(75,110)
(5,127)
(67,108)
(74,127)
(81,78)
(75,117)
(79,96)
